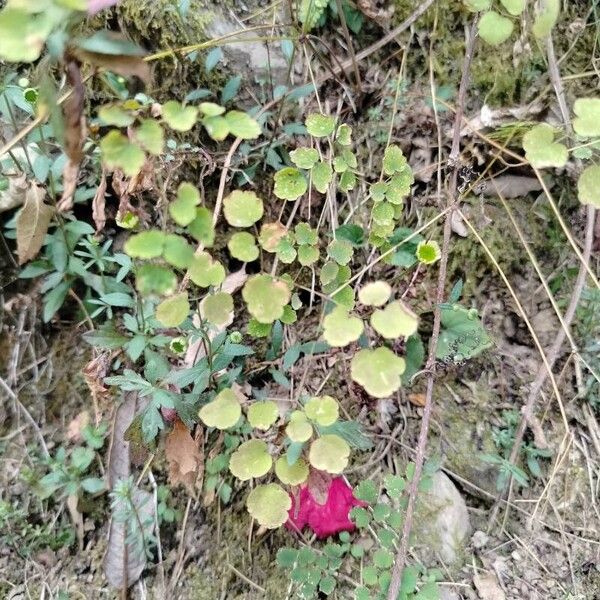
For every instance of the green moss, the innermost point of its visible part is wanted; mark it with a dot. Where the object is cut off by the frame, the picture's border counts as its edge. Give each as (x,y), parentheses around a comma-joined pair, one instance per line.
(208,580)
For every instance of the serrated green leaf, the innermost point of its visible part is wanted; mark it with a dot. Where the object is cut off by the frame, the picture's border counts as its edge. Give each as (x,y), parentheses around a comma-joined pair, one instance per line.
(265,297)
(588,186)
(150,136)
(294,474)
(587,120)
(394,321)
(204,271)
(242,125)
(540,148)
(217,309)
(183,208)
(242,246)
(321,175)
(323,410)
(146,244)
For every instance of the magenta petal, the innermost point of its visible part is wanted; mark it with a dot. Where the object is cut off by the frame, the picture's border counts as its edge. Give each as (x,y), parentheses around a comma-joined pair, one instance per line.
(95,6)
(324,519)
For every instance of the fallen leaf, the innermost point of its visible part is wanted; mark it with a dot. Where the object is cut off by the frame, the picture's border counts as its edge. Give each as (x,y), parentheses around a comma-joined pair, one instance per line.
(318,485)
(94,373)
(183,456)
(76,426)
(14,195)
(99,204)
(70,175)
(488,588)
(417,399)
(76,517)
(32,223)
(124,561)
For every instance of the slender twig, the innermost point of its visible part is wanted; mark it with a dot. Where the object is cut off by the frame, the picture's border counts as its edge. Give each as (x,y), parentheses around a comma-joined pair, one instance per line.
(452,204)
(28,416)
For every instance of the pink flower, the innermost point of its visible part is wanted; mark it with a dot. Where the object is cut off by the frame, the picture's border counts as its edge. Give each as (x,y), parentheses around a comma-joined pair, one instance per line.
(324,519)
(95,6)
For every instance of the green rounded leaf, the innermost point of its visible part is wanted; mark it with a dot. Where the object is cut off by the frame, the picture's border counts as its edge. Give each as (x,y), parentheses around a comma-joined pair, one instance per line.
(547,12)
(216,127)
(299,429)
(242,125)
(540,148)
(270,236)
(269,505)
(119,153)
(588,186)
(378,371)
(151,137)
(494,28)
(324,410)
(304,158)
(319,125)
(343,135)
(587,120)
(340,328)
(375,293)
(155,279)
(146,244)
(394,320)
(321,175)
(291,474)
(329,453)
(217,309)
(341,251)
(262,414)
(308,255)
(290,184)
(478,5)
(251,459)
(173,311)
(393,160)
(177,251)
(201,228)
(114,114)
(204,271)
(223,412)
(179,117)
(241,246)
(183,208)
(242,209)
(266,296)
(210,109)
(514,7)
(22,34)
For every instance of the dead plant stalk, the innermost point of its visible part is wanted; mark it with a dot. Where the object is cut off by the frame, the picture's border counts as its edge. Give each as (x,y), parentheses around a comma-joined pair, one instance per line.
(452,205)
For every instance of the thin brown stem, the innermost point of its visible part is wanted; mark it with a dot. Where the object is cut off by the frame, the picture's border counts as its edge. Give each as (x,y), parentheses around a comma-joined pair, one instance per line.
(452,203)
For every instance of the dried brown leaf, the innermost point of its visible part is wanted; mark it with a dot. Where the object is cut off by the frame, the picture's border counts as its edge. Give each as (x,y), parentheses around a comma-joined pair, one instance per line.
(76,517)
(15,194)
(123,562)
(122,65)
(183,456)
(32,223)
(70,175)
(318,485)
(99,204)
(77,425)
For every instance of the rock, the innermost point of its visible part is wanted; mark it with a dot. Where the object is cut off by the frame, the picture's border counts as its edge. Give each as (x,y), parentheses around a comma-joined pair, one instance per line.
(442,522)
(467,436)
